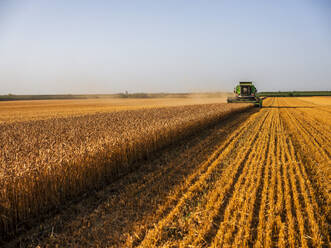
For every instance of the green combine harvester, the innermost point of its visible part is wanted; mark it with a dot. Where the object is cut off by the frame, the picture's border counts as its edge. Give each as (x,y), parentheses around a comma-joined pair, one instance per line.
(246,93)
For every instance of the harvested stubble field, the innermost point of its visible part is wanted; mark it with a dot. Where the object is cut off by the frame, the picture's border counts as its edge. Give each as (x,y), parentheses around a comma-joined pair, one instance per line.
(257,179)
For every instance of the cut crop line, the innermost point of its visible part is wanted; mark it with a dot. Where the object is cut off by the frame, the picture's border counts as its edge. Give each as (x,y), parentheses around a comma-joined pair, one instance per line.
(153,236)
(317,160)
(292,234)
(243,237)
(266,198)
(308,199)
(310,140)
(225,149)
(226,229)
(219,204)
(319,136)
(272,189)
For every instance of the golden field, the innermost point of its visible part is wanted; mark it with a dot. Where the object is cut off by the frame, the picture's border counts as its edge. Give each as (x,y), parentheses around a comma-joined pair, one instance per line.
(45,162)
(258,178)
(11,111)
(268,185)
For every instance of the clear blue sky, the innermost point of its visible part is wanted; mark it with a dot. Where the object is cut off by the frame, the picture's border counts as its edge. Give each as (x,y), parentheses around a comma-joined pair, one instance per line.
(80,46)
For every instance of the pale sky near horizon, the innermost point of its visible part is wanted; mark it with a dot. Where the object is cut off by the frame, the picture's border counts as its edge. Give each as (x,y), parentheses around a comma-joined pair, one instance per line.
(100,46)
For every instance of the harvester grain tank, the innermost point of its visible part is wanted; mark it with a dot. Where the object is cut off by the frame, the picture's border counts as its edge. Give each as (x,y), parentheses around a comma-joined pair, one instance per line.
(245,92)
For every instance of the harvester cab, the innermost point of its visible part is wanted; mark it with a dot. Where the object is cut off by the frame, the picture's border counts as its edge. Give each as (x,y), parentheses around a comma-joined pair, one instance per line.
(245,92)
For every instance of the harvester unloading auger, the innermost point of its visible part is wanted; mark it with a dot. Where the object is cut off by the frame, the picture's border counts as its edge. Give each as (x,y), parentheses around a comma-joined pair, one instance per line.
(246,93)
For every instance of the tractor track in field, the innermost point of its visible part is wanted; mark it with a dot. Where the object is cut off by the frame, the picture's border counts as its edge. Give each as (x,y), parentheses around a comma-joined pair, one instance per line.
(257,179)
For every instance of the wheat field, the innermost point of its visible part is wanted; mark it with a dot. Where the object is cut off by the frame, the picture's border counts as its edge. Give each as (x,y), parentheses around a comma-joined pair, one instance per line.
(45,162)
(246,178)
(17,111)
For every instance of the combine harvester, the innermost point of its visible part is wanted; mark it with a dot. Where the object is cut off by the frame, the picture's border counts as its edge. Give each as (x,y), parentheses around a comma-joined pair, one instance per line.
(246,93)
